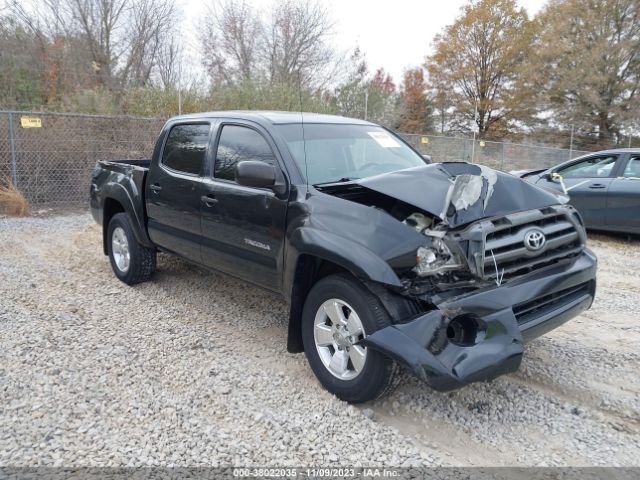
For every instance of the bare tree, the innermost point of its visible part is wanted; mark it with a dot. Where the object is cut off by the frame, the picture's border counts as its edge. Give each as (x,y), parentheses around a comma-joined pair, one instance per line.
(150,24)
(586,66)
(21,66)
(286,45)
(169,63)
(121,38)
(296,42)
(43,37)
(231,40)
(96,21)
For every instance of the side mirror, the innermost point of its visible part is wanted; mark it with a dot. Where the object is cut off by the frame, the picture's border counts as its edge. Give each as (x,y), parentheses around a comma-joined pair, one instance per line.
(427,158)
(252,173)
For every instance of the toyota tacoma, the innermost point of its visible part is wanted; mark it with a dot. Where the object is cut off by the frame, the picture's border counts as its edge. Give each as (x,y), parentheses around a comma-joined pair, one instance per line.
(384,258)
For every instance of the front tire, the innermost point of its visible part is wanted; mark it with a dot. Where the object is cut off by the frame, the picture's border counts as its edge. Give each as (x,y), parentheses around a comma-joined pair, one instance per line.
(131,262)
(338,312)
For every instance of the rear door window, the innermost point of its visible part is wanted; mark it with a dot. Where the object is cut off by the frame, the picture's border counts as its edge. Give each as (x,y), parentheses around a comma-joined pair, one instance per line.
(632,170)
(185,148)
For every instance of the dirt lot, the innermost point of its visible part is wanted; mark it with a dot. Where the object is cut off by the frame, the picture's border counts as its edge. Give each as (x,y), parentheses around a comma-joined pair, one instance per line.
(191,369)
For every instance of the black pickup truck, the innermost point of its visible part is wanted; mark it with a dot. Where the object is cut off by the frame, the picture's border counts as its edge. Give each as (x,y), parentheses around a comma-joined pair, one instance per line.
(385,259)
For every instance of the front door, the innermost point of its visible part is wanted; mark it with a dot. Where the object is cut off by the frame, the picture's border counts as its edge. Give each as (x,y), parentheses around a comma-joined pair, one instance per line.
(173,191)
(587,182)
(243,227)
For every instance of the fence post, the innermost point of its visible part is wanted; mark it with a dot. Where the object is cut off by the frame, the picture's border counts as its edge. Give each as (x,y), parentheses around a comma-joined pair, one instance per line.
(502,159)
(12,146)
(473,148)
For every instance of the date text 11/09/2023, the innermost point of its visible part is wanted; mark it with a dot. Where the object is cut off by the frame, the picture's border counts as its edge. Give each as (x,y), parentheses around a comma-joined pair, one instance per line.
(316,472)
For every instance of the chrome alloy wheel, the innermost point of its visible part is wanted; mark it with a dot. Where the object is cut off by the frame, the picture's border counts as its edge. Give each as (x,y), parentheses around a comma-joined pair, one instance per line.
(337,328)
(120,249)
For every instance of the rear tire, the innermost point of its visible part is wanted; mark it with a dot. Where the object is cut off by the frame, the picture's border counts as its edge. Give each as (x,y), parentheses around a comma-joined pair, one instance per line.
(352,373)
(131,262)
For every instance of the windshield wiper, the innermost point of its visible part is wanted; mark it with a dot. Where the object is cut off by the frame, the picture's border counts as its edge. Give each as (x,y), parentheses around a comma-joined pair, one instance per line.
(342,180)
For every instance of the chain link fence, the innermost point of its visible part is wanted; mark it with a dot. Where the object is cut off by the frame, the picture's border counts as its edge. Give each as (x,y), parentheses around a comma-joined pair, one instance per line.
(49,156)
(499,155)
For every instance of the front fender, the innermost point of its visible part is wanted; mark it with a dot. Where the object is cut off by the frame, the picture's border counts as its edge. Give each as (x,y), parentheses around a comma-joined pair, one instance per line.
(359,260)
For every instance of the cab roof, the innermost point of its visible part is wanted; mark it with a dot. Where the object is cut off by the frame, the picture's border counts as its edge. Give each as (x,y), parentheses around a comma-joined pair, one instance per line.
(274,117)
(618,150)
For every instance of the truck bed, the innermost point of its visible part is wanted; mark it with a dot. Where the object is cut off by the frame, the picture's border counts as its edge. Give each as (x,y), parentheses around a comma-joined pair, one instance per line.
(142,164)
(118,177)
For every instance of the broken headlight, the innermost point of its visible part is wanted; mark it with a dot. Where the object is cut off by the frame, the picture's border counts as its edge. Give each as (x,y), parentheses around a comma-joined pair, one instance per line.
(435,259)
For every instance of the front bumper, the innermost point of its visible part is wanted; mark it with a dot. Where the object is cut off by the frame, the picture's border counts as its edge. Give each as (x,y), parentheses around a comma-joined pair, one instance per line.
(501,319)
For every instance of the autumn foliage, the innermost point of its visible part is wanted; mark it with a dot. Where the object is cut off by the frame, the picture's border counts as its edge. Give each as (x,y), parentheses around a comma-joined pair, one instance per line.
(475,66)
(415,114)
(494,71)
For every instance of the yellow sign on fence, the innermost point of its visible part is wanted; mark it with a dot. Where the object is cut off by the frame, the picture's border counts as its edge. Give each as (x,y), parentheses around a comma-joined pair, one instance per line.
(31,122)
(424,140)
(482,144)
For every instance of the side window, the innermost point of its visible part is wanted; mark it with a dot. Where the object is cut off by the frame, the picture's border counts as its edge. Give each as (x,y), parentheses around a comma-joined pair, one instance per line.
(236,145)
(592,167)
(633,168)
(185,148)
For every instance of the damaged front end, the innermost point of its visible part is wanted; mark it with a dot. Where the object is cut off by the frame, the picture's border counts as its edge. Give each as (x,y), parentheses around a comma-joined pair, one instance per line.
(479,335)
(482,288)
(448,351)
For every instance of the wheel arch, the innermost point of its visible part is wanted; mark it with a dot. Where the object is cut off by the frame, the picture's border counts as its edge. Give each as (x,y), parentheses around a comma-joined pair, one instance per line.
(117,200)
(110,208)
(309,270)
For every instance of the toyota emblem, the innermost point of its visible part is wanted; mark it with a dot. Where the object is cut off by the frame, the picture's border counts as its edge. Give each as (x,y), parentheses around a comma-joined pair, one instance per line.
(534,240)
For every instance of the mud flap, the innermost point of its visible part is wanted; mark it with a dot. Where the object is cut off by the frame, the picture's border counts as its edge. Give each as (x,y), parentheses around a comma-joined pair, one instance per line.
(422,346)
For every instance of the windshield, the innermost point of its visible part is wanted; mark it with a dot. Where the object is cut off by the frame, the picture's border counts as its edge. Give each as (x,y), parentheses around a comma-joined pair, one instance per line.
(336,152)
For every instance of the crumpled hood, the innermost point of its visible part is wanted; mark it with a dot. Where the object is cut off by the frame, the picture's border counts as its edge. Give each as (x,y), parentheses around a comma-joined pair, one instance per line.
(460,193)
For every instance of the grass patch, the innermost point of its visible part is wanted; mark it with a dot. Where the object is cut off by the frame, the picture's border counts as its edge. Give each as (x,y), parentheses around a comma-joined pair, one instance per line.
(12,201)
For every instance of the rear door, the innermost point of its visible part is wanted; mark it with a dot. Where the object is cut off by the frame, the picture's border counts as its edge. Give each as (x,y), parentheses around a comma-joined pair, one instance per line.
(587,181)
(623,199)
(173,190)
(243,227)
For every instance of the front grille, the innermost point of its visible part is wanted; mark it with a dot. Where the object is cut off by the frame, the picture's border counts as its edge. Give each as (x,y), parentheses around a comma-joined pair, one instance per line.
(505,252)
(532,309)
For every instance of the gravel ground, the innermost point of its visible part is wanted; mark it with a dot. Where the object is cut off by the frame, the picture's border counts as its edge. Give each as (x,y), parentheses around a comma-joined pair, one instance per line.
(192,369)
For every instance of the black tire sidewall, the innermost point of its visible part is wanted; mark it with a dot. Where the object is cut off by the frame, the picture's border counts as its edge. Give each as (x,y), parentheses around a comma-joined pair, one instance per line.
(121,220)
(375,375)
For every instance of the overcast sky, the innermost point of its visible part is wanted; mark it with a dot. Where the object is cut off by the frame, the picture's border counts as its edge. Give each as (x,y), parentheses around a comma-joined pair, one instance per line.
(395,34)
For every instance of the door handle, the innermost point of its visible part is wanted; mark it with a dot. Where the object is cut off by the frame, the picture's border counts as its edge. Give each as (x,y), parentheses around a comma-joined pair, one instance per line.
(209,200)
(155,187)
(596,186)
